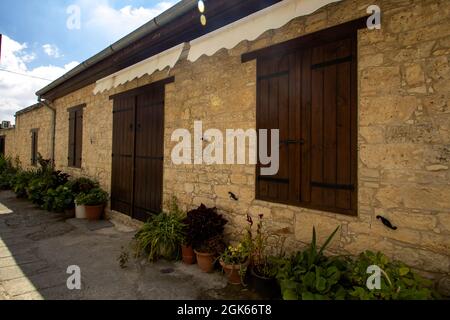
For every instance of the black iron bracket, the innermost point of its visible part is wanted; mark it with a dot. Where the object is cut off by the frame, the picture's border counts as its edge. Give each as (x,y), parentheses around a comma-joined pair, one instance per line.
(387,223)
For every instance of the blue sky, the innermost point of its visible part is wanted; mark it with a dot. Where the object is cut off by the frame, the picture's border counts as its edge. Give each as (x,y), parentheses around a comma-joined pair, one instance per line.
(38,43)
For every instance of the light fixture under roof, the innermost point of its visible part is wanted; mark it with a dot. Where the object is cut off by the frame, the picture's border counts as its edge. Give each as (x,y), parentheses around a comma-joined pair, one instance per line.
(201,6)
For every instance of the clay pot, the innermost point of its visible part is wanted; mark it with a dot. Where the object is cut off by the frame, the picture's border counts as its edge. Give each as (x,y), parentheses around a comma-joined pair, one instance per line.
(94,212)
(80,211)
(205,261)
(233,272)
(188,254)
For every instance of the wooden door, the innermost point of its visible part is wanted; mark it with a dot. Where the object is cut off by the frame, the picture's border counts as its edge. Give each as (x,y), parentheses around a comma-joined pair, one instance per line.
(123,155)
(149,153)
(138,148)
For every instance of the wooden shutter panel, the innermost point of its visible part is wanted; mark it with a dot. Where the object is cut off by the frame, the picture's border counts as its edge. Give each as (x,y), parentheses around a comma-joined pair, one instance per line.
(34,146)
(332,114)
(71,151)
(278,109)
(317,122)
(78,138)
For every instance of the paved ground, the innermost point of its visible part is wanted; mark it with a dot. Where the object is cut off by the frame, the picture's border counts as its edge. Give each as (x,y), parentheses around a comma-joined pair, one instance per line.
(36,248)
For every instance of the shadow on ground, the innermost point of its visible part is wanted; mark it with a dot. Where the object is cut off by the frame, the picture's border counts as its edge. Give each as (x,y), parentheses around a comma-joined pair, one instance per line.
(37,247)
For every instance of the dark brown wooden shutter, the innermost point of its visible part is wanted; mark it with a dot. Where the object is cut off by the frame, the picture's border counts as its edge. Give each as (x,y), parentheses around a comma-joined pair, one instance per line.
(78,138)
(34,147)
(332,133)
(278,108)
(310,95)
(71,151)
(75,136)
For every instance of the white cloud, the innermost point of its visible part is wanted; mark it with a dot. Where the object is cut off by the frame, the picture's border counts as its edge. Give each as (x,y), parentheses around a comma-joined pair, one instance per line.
(17,91)
(51,50)
(116,23)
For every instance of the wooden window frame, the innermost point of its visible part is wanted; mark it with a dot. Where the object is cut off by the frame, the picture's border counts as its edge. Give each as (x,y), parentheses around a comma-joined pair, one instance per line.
(344,31)
(75,148)
(34,146)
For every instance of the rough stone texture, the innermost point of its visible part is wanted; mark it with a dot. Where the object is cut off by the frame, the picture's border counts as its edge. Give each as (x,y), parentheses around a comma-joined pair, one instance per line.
(18,140)
(404,133)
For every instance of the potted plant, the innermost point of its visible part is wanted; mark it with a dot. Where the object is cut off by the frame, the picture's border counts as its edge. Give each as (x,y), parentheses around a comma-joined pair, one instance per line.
(204,231)
(234,262)
(94,202)
(161,237)
(263,269)
(79,186)
(208,252)
(187,253)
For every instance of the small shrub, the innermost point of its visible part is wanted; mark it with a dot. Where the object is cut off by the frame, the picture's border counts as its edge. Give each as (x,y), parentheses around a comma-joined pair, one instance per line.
(398,281)
(45,180)
(203,224)
(59,199)
(310,275)
(161,237)
(94,197)
(82,185)
(7,173)
(21,181)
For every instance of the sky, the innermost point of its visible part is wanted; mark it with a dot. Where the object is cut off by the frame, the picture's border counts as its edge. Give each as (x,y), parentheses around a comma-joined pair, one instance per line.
(43,39)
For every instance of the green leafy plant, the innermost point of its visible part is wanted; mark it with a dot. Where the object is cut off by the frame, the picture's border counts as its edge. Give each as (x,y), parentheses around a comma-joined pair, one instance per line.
(398,281)
(94,197)
(310,275)
(235,255)
(45,180)
(59,199)
(161,237)
(7,172)
(21,181)
(82,185)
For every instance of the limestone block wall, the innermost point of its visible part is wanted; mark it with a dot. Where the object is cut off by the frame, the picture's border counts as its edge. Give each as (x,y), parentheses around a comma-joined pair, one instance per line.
(404,139)
(39,118)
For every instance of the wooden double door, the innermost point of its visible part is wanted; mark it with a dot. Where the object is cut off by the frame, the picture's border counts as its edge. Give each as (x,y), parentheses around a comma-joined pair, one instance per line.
(138,151)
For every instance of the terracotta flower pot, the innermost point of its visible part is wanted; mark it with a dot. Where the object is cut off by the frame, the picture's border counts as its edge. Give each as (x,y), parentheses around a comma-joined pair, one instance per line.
(94,212)
(188,254)
(233,272)
(205,261)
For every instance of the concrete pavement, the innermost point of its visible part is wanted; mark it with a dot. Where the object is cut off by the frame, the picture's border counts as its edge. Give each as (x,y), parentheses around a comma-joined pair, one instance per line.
(37,247)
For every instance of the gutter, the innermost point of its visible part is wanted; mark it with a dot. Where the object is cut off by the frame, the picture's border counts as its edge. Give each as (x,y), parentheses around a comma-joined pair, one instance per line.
(163,19)
(53,128)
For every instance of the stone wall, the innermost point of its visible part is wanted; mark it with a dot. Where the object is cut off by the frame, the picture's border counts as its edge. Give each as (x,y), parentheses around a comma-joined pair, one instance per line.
(18,140)
(404,139)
